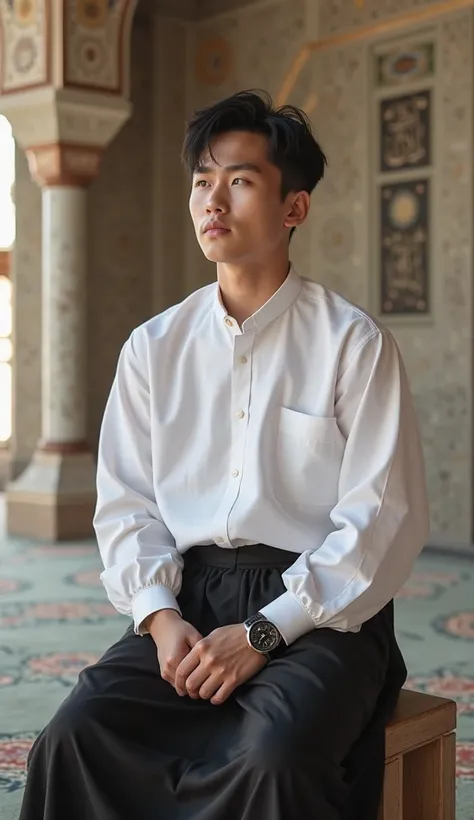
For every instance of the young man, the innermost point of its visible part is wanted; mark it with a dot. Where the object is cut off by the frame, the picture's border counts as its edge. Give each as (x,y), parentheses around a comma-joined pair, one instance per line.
(261,500)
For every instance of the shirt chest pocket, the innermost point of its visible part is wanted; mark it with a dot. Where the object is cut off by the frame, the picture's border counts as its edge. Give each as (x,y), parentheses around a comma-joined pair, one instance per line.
(309,456)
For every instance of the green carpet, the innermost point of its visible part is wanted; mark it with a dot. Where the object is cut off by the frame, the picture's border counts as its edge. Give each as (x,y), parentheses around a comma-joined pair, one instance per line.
(55,619)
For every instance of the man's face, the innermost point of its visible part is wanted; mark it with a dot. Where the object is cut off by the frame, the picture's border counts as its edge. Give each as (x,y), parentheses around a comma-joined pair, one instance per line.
(239,192)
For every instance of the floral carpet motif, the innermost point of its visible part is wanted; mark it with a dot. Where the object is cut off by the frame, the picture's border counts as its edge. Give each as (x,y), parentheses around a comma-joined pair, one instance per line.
(55,620)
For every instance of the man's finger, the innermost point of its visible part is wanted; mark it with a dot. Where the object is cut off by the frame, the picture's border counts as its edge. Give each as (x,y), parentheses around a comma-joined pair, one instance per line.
(195,680)
(210,687)
(193,639)
(185,668)
(223,693)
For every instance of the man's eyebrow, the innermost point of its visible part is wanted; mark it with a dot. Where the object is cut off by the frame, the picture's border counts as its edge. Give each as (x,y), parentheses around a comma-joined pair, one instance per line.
(241,166)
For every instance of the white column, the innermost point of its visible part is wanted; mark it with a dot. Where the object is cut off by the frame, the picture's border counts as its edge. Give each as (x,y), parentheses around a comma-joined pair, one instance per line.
(64,317)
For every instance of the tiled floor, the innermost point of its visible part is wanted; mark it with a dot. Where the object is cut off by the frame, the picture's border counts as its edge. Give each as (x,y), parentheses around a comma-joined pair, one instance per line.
(55,619)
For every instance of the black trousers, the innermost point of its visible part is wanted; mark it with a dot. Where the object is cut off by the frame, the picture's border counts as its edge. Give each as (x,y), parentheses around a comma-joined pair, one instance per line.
(303,739)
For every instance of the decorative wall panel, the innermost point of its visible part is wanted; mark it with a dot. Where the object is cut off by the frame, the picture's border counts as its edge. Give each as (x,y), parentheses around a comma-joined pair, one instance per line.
(26,44)
(405,132)
(404,251)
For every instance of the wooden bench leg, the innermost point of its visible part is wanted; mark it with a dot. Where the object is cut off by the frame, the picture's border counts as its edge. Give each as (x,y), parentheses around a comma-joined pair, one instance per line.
(429,781)
(448,781)
(392,799)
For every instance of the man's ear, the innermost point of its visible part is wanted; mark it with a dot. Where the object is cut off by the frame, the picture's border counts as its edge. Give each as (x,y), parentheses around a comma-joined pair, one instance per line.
(299,207)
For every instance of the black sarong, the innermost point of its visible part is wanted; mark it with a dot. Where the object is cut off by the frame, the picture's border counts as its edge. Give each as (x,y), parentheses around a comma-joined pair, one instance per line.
(303,739)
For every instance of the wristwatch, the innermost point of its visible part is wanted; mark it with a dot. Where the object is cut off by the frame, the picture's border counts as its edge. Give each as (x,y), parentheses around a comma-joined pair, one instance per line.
(263,636)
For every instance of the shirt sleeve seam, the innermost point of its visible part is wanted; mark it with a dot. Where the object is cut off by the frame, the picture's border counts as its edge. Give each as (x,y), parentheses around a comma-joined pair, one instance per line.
(367,338)
(137,362)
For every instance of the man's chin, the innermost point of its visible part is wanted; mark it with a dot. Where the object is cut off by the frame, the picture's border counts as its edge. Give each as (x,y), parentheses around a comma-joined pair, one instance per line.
(220,250)
(215,254)
(221,258)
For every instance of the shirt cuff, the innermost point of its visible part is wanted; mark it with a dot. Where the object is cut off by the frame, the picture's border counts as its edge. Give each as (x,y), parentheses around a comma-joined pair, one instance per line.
(289,617)
(151,599)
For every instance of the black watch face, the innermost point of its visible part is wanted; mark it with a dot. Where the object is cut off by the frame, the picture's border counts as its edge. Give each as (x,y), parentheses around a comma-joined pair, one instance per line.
(264,636)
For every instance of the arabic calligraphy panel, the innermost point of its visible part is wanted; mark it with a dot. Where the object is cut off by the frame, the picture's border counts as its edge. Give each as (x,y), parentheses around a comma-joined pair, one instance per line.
(405,132)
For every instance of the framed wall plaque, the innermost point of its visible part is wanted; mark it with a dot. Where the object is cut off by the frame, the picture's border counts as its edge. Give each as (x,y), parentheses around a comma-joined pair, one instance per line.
(404,248)
(405,132)
(402,66)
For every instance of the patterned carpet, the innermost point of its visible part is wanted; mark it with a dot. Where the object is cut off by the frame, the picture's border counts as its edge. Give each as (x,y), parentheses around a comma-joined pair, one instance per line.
(55,619)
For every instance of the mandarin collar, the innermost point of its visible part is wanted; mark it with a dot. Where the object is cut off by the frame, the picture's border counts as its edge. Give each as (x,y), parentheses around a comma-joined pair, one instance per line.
(274,307)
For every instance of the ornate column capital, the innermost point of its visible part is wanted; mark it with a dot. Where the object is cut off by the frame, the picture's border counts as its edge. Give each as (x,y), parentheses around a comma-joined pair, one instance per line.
(64,164)
(64,81)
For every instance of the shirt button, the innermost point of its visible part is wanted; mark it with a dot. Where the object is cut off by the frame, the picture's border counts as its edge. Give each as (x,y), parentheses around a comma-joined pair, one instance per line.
(243,360)
(228,321)
(240,414)
(235,473)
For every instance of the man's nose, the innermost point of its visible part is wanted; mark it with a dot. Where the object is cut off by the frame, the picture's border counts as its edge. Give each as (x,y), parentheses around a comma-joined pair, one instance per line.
(216,203)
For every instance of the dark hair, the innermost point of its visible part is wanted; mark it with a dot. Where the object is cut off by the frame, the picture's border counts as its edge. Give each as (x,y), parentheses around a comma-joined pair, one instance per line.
(292,146)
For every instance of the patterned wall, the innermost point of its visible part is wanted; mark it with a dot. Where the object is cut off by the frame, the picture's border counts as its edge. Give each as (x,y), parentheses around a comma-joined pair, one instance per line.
(93,54)
(437,351)
(172,228)
(120,235)
(440,356)
(27,40)
(342,15)
(91,57)
(256,47)
(338,216)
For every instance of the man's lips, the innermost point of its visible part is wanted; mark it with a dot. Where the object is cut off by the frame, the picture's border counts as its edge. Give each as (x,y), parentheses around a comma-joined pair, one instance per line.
(215,229)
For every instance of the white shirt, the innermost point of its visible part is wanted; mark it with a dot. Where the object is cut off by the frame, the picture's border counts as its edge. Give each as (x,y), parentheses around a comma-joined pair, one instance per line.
(296,431)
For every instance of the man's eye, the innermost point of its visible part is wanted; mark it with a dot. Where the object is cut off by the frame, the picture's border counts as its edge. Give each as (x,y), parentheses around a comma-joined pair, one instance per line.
(200,183)
(239,179)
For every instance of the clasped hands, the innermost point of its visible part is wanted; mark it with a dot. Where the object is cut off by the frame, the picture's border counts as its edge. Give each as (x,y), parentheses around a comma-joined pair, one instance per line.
(209,668)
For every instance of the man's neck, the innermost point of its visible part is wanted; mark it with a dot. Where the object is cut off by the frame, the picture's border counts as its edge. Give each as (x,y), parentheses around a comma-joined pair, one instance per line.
(245,289)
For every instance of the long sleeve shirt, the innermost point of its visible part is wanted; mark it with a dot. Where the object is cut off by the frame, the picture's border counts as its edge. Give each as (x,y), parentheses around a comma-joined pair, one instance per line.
(296,430)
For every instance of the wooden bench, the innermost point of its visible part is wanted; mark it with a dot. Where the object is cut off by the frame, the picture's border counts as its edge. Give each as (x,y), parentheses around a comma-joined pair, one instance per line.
(420,760)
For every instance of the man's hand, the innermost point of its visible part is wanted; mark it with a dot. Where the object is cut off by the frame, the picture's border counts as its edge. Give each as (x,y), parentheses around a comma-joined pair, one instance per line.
(174,639)
(218,664)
